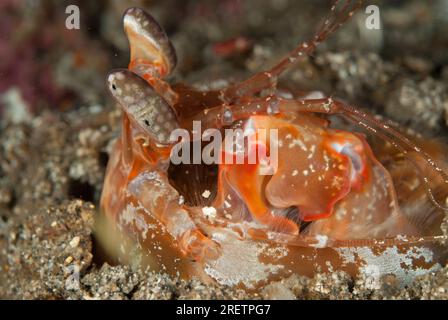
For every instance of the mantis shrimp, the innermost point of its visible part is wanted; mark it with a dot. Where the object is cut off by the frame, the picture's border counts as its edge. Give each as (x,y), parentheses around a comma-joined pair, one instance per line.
(331,204)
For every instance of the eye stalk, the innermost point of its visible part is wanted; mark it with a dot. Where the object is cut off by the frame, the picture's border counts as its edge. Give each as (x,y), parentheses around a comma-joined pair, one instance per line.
(149,44)
(142,104)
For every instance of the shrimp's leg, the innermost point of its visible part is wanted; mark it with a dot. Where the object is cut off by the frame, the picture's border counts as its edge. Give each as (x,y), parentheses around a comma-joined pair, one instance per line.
(155,194)
(340,12)
(155,121)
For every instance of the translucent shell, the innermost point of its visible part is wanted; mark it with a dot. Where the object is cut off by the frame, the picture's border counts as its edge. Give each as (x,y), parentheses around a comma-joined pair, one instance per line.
(330,176)
(160,210)
(334,201)
(148,42)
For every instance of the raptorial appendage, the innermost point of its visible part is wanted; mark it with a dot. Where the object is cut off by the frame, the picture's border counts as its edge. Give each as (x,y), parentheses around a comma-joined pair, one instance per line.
(311,197)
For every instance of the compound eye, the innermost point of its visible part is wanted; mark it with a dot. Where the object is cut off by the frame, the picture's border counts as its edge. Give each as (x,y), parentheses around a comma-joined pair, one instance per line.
(143,105)
(148,41)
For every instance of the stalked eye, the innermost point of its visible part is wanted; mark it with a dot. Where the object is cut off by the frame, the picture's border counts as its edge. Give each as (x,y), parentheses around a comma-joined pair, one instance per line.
(262,183)
(148,41)
(143,105)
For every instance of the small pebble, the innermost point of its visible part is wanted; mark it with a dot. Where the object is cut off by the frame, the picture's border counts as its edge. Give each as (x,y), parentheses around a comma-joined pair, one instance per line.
(74,242)
(206,194)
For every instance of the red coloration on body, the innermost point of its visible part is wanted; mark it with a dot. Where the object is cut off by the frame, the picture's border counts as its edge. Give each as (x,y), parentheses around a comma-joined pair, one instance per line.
(328,191)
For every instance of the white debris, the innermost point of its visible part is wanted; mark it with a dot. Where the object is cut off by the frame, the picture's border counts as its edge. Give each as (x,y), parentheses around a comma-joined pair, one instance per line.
(206,194)
(74,242)
(209,212)
(321,241)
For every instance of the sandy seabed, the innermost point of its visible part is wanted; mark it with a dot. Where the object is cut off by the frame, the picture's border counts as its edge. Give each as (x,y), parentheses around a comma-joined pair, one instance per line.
(58,125)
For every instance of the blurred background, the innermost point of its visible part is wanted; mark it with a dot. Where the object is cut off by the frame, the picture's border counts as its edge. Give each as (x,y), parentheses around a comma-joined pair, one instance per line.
(57,122)
(46,66)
